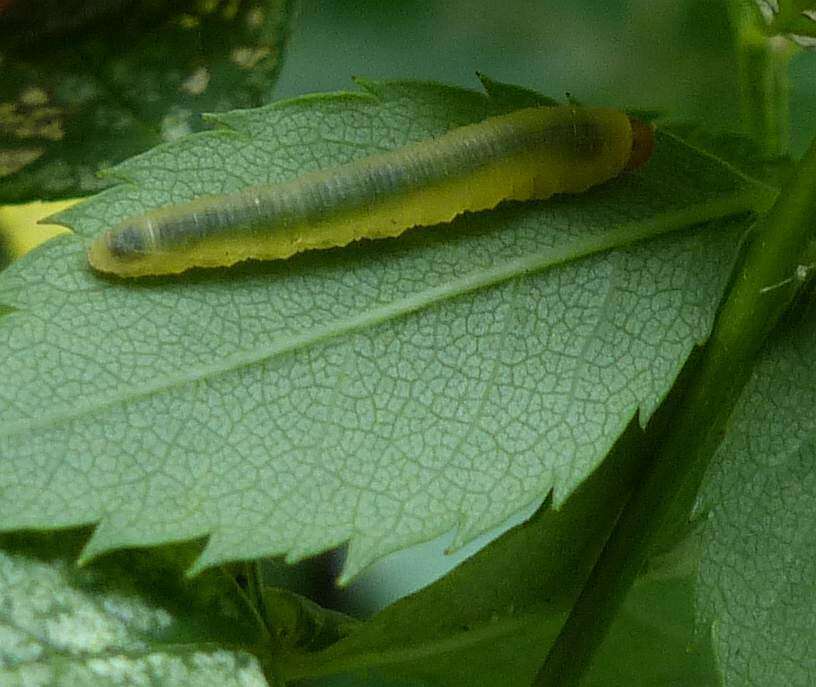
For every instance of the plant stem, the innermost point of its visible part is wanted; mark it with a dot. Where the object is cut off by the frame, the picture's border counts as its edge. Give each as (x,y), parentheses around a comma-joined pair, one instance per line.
(763,79)
(763,287)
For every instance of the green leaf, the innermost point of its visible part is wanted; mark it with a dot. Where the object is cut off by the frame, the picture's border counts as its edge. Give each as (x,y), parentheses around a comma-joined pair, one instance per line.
(492,619)
(383,393)
(737,150)
(758,574)
(131,619)
(653,643)
(87,84)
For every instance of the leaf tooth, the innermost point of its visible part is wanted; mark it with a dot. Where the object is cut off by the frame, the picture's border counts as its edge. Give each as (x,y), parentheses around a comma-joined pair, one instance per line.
(103,539)
(225,545)
(362,552)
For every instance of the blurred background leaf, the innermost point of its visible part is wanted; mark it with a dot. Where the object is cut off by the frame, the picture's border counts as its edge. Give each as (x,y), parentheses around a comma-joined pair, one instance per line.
(757,581)
(133,616)
(88,83)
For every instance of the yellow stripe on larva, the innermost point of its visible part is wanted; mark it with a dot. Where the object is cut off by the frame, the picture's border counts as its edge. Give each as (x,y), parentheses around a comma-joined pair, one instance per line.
(528,154)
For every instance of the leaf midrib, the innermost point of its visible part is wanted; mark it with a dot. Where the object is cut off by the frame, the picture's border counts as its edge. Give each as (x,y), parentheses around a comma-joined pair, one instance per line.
(622,235)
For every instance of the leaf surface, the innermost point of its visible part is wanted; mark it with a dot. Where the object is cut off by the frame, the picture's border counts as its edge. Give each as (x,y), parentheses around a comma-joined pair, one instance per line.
(63,626)
(758,574)
(380,394)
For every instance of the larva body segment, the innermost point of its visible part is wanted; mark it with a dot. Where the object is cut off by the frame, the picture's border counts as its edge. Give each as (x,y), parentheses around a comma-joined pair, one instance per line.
(531,153)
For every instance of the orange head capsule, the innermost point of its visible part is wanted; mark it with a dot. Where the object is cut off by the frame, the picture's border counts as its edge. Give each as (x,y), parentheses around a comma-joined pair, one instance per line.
(642,143)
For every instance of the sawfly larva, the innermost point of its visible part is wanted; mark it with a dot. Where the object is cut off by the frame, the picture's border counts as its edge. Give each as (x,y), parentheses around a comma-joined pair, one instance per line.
(528,154)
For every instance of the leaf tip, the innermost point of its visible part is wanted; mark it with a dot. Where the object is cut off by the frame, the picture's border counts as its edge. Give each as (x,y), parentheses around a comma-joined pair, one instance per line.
(368,85)
(93,548)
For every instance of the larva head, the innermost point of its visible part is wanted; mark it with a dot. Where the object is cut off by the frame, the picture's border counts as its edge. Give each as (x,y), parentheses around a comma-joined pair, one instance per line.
(642,143)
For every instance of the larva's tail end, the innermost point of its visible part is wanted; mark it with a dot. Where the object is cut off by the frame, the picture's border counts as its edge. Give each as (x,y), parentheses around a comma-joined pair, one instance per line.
(122,251)
(105,259)
(643,143)
(99,257)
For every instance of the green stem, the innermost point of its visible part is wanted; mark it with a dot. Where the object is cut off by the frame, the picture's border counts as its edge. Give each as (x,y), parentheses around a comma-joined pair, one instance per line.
(762,289)
(763,79)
